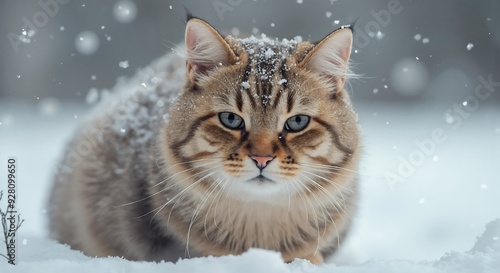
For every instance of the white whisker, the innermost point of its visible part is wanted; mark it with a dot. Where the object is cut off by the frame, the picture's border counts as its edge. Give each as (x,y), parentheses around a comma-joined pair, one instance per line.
(160,191)
(315,217)
(218,185)
(337,185)
(178,195)
(197,210)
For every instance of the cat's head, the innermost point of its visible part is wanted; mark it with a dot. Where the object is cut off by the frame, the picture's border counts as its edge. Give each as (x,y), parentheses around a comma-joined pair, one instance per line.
(260,117)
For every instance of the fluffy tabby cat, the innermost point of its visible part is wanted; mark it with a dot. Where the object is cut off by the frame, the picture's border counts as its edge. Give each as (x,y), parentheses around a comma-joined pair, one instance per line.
(259,150)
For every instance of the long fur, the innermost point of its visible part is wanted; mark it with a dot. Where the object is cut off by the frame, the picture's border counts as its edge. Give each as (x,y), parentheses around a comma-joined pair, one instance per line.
(153,174)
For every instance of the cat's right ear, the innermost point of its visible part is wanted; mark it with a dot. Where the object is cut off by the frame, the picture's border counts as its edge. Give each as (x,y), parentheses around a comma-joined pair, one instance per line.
(206,49)
(330,57)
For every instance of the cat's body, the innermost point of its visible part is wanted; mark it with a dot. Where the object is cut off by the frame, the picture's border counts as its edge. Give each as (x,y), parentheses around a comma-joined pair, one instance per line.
(260,149)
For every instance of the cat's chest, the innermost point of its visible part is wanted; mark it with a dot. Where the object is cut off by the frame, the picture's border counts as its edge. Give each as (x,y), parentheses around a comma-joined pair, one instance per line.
(244,225)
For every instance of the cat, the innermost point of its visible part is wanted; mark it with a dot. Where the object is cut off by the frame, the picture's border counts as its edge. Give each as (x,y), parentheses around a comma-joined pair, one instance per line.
(236,144)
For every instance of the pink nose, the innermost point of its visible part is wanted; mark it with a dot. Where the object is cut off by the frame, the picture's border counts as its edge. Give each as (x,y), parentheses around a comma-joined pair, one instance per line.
(261,161)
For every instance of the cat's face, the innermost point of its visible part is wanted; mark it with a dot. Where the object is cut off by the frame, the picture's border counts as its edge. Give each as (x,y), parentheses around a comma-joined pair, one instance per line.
(263,120)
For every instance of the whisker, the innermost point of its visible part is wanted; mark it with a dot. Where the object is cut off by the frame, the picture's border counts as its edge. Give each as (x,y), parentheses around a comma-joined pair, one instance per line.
(315,217)
(332,198)
(196,212)
(175,184)
(289,198)
(301,195)
(227,196)
(334,167)
(176,197)
(348,176)
(328,167)
(330,181)
(219,182)
(217,203)
(186,170)
(160,191)
(337,205)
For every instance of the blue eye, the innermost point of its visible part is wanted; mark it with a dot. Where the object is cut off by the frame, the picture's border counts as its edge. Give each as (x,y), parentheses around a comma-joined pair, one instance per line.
(297,123)
(231,120)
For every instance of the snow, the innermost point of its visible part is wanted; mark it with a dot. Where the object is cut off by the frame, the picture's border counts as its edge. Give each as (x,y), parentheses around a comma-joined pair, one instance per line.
(49,106)
(282,81)
(484,256)
(428,223)
(123,64)
(125,11)
(235,31)
(269,53)
(406,229)
(131,99)
(409,77)
(92,96)
(87,42)
(26,36)
(470,46)
(488,242)
(379,35)
(266,50)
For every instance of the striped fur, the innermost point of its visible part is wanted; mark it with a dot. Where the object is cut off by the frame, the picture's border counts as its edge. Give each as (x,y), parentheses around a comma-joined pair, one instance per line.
(193,186)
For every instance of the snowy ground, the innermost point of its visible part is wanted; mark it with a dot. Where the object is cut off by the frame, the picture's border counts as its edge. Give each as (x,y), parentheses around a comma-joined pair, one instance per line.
(442,206)
(483,257)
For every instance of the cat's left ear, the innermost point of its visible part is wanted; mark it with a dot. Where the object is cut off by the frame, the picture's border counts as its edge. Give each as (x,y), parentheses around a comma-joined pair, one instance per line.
(206,48)
(330,57)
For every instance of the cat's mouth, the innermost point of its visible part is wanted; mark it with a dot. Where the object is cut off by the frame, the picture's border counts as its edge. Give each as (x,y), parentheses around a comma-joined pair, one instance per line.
(261,179)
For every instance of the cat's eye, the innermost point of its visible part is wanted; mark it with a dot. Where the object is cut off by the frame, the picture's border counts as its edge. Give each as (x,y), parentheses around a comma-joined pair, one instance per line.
(231,120)
(297,123)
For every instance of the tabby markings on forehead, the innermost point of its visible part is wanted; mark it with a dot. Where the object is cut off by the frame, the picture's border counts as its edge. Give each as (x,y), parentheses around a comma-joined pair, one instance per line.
(265,53)
(266,58)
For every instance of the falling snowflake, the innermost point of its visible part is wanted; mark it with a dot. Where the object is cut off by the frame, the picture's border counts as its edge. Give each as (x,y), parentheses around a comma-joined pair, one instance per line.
(123,64)
(87,42)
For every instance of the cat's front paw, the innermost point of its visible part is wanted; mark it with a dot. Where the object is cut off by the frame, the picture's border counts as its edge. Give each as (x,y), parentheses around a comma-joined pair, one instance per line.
(315,259)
